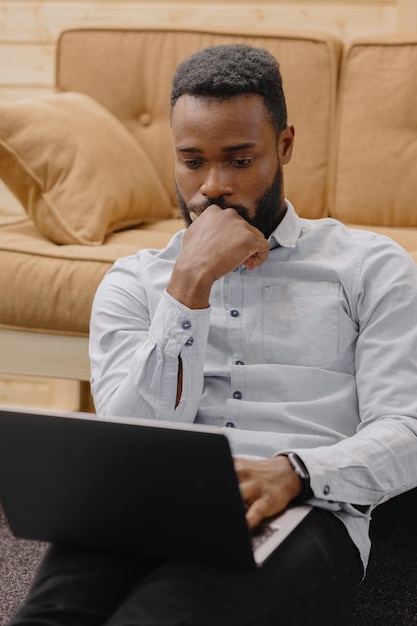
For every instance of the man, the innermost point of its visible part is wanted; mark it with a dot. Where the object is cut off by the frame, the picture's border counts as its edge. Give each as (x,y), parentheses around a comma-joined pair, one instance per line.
(296,336)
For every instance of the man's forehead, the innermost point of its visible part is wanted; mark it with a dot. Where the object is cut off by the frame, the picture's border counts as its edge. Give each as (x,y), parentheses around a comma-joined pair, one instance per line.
(197,112)
(188,100)
(227,127)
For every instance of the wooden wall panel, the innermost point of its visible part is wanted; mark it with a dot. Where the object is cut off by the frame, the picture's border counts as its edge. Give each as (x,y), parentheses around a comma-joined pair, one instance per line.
(27,64)
(41,20)
(29,28)
(407,16)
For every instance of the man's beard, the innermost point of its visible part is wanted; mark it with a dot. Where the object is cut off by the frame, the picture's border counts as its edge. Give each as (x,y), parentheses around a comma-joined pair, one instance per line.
(270,208)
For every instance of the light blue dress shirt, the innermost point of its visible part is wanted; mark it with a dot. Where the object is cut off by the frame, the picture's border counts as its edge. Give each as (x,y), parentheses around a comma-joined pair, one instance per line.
(315,351)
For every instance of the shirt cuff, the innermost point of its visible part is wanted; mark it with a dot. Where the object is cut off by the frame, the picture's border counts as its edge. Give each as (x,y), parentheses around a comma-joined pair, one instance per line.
(175,326)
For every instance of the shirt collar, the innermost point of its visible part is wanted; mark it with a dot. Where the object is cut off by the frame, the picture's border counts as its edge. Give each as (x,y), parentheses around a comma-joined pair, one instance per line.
(288,230)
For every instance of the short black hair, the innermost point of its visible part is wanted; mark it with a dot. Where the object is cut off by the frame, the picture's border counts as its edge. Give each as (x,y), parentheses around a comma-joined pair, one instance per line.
(230,70)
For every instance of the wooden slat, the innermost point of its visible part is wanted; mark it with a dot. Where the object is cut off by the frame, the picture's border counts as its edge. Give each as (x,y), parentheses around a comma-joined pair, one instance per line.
(16,92)
(27,64)
(43,20)
(407,16)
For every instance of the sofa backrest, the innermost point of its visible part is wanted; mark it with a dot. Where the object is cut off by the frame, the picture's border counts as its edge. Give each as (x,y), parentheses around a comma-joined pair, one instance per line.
(374,179)
(129,71)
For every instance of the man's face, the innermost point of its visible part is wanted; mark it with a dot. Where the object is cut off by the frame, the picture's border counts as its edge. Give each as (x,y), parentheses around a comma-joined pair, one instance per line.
(227,153)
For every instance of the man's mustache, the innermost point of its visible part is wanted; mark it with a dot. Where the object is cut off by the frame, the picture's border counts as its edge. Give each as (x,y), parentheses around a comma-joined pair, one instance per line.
(222,203)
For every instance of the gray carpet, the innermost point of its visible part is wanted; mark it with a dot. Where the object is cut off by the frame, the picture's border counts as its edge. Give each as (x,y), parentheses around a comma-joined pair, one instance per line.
(18,561)
(388,595)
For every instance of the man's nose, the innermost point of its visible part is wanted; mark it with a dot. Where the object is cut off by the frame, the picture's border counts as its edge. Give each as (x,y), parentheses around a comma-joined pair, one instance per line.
(216,183)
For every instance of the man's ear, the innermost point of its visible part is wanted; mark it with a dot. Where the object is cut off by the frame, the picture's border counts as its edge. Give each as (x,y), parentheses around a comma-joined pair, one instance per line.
(286,143)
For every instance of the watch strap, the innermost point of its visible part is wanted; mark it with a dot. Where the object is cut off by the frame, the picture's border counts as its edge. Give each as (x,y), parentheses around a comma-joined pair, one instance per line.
(302,472)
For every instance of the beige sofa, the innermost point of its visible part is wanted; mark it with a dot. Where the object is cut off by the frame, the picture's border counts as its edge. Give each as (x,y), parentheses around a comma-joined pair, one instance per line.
(92,165)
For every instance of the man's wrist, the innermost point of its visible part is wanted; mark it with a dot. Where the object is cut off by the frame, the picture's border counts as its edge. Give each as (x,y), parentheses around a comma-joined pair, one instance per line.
(302,472)
(190,287)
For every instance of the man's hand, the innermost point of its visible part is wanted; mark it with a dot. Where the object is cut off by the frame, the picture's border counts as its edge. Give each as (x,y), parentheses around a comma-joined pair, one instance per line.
(218,241)
(267,486)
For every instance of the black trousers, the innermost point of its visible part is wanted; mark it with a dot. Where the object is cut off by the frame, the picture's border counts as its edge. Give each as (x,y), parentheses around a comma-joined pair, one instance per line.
(311,579)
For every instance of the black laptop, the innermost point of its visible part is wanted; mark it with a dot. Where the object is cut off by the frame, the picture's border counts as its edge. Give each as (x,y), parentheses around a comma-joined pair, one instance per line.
(135,486)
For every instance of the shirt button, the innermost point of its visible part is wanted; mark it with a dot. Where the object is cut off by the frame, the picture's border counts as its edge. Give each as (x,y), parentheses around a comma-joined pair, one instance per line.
(189,342)
(239,363)
(186,324)
(234,313)
(237,395)
(230,425)
(326,490)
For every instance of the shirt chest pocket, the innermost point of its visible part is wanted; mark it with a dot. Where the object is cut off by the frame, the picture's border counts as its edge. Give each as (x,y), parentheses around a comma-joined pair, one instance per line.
(300,323)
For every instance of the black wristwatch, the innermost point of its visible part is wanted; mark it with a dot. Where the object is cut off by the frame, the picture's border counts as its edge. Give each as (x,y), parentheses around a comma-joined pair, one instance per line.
(302,472)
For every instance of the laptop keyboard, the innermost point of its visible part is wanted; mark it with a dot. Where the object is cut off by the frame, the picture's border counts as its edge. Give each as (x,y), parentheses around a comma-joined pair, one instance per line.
(261,533)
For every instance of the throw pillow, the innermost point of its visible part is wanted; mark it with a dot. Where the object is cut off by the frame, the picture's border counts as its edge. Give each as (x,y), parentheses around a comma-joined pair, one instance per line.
(76,169)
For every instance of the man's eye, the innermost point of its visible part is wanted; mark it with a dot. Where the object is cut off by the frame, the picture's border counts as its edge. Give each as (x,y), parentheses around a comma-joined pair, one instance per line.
(192,163)
(241,162)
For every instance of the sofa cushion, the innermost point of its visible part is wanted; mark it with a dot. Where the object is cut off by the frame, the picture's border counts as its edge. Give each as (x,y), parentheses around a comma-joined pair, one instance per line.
(134,84)
(374,164)
(405,237)
(54,285)
(76,170)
